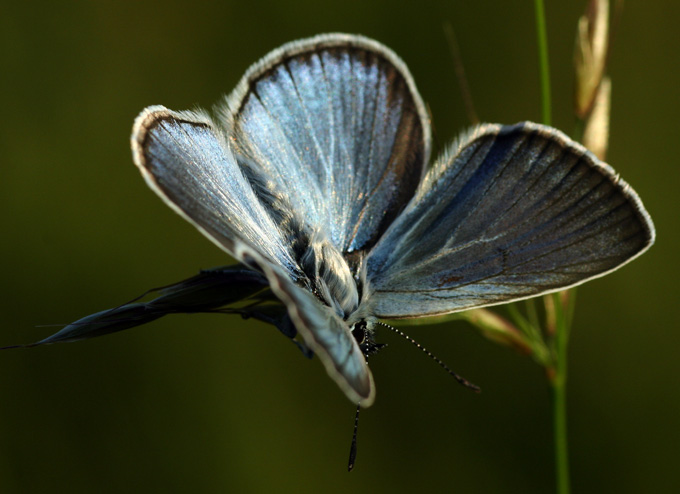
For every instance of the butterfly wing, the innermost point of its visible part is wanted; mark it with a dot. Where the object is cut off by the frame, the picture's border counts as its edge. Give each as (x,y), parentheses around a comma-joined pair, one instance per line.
(336,124)
(191,166)
(186,161)
(322,329)
(518,211)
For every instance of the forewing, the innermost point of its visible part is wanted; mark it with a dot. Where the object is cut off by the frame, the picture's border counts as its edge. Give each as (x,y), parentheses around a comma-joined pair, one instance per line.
(518,211)
(335,122)
(186,161)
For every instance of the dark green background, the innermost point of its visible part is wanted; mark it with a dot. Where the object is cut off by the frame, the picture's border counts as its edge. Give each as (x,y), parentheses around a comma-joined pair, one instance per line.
(216,404)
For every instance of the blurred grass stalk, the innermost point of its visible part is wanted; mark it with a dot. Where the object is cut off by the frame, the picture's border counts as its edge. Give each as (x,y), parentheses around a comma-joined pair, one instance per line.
(547,342)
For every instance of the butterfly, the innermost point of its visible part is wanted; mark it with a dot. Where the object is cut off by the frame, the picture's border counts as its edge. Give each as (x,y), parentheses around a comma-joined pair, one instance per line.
(314,172)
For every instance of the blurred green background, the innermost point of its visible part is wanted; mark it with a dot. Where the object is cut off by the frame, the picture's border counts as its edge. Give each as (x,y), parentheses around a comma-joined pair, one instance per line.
(209,403)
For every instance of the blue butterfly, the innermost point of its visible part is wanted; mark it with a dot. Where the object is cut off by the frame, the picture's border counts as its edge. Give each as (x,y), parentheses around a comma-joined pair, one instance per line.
(314,173)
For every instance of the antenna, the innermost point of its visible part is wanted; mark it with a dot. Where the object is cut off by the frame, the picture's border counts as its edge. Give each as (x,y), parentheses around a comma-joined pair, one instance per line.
(353,447)
(458,378)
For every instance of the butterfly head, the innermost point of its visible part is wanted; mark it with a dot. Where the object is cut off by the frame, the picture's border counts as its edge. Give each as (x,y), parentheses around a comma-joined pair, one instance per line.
(363,332)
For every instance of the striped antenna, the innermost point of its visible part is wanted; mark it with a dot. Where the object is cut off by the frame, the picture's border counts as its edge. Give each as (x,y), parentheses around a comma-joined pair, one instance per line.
(353,447)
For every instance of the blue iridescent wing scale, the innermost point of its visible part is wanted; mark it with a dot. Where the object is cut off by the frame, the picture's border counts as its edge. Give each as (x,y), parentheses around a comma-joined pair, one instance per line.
(336,124)
(514,212)
(188,163)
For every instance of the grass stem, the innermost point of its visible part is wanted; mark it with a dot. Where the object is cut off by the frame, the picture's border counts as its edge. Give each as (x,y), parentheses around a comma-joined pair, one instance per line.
(558,374)
(559,396)
(541,32)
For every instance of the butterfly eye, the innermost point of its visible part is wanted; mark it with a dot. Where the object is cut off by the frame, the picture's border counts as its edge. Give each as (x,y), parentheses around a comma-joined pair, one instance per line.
(359,332)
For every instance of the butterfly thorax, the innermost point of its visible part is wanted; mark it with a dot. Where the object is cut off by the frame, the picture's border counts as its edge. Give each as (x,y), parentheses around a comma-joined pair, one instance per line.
(329,275)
